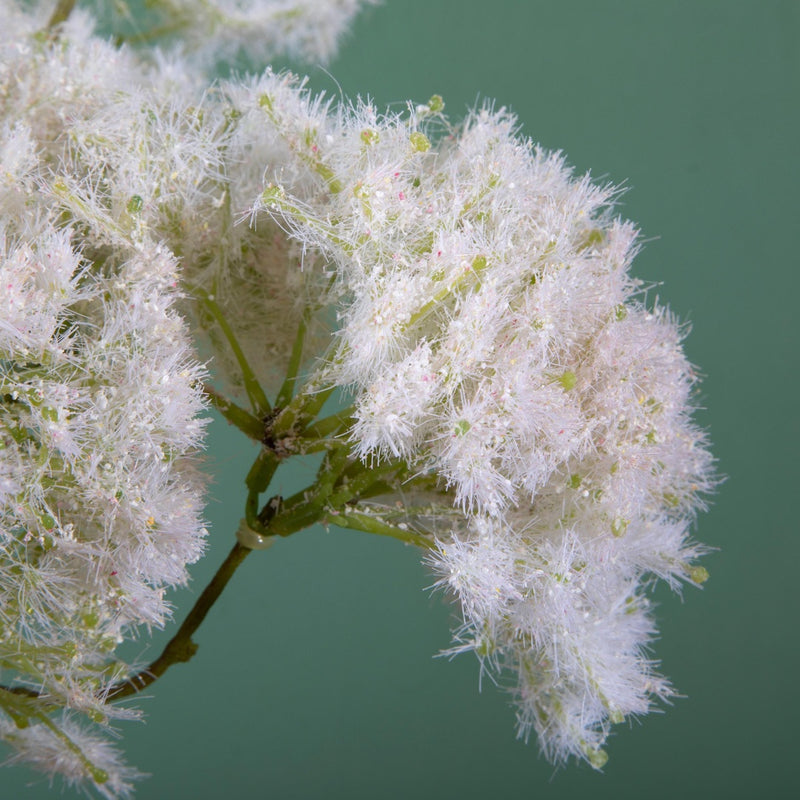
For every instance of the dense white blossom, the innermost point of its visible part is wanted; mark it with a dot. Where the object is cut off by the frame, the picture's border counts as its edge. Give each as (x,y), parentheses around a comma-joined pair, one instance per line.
(100,392)
(48,747)
(492,336)
(211,32)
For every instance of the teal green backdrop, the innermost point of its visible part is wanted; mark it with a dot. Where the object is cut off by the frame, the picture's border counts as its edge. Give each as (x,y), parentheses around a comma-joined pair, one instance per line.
(316,675)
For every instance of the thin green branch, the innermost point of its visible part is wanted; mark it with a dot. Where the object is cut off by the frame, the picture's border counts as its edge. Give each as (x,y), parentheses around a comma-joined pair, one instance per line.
(306,507)
(302,409)
(329,426)
(181,648)
(258,479)
(354,483)
(347,517)
(256,395)
(287,389)
(237,416)
(60,13)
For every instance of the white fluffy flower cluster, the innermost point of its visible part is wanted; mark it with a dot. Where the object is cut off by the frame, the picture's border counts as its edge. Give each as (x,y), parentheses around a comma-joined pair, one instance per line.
(100,392)
(116,170)
(211,32)
(493,337)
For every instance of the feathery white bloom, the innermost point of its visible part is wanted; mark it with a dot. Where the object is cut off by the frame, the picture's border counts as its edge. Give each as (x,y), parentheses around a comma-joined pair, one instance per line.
(73,754)
(216,31)
(492,336)
(100,396)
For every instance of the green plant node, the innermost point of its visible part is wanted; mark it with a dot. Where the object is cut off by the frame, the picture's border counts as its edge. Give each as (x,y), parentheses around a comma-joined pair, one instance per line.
(368,136)
(425,244)
(266,102)
(20,720)
(620,312)
(420,142)
(574,481)
(483,648)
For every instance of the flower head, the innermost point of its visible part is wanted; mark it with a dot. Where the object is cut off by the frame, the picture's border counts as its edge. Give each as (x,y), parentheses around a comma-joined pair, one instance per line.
(492,336)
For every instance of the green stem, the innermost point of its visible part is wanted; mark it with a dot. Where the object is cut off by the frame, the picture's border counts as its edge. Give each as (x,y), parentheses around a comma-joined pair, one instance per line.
(465,280)
(329,426)
(181,647)
(99,776)
(287,389)
(60,13)
(256,395)
(274,198)
(257,481)
(346,517)
(303,408)
(306,507)
(353,486)
(237,416)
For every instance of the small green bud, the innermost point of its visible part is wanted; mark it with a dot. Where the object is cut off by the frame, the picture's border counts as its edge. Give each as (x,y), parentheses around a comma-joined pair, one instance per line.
(420,142)
(595,237)
(99,776)
(479,263)
(135,204)
(568,380)
(461,428)
(266,102)
(436,104)
(698,574)
(597,758)
(619,526)
(90,619)
(20,720)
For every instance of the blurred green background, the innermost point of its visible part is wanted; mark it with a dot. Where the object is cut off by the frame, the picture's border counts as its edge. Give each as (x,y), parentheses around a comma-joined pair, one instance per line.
(315,676)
